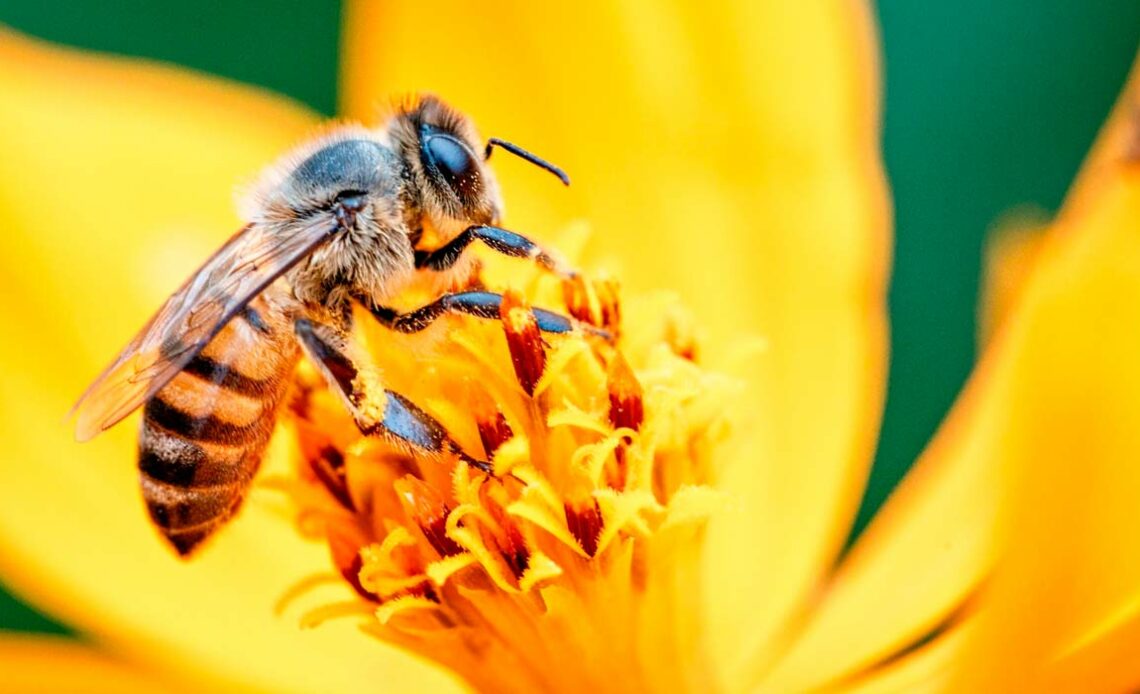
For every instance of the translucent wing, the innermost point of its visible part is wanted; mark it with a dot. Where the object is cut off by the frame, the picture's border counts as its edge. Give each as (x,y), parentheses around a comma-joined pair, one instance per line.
(240,270)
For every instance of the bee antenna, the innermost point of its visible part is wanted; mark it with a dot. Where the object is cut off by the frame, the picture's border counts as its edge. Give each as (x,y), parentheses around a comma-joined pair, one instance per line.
(523,154)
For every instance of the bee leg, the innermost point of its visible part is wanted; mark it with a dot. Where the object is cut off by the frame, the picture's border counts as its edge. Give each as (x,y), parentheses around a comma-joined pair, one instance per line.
(501,240)
(480,305)
(398,419)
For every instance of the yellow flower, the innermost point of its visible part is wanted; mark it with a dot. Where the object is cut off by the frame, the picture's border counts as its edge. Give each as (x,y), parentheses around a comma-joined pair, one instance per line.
(728,153)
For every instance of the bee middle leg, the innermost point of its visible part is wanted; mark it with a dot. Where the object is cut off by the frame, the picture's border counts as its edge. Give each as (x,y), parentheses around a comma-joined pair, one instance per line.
(497,239)
(398,419)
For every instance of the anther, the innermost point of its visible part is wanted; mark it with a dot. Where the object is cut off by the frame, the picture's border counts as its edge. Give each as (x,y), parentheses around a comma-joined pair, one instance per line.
(328,466)
(528,353)
(627,411)
(627,408)
(584,520)
(509,540)
(494,431)
(593,302)
(346,557)
(427,509)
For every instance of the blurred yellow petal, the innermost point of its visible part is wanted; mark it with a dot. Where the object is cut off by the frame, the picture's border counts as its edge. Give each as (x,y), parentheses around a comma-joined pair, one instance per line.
(1062,609)
(52,665)
(1038,452)
(1011,249)
(927,667)
(922,557)
(729,151)
(114,183)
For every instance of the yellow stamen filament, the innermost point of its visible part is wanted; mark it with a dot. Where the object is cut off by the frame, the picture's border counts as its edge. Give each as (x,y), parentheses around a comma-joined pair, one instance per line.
(570,566)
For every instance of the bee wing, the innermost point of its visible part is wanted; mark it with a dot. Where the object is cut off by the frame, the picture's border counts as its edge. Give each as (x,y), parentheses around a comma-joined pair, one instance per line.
(240,270)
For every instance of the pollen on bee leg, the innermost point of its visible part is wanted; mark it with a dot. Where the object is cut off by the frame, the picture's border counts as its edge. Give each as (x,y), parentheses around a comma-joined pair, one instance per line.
(528,353)
(371,408)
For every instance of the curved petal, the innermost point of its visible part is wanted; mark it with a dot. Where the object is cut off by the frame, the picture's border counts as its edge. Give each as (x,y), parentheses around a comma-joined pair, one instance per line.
(924,554)
(1038,452)
(927,667)
(728,151)
(1008,260)
(53,665)
(1062,609)
(114,184)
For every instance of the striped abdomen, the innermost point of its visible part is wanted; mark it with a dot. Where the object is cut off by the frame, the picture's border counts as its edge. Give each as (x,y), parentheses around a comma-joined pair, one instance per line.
(204,433)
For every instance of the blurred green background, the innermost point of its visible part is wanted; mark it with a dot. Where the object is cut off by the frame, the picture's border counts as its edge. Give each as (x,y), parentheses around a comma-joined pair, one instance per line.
(990,104)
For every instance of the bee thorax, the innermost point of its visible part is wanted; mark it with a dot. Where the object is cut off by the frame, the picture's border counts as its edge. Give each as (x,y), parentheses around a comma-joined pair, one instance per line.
(373,260)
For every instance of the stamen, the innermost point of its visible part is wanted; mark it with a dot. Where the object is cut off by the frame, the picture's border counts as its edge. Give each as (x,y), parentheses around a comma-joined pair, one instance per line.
(508,540)
(493,431)
(346,557)
(594,302)
(584,520)
(627,409)
(528,354)
(557,564)
(427,509)
(328,466)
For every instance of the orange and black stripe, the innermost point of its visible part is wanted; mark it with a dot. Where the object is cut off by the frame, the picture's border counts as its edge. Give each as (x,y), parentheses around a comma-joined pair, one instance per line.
(204,433)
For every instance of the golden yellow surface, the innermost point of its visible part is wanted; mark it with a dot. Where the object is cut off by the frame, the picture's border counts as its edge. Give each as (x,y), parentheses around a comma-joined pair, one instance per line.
(731,154)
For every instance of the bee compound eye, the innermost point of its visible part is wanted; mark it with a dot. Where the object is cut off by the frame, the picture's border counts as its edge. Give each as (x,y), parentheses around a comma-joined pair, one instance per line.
(451,159)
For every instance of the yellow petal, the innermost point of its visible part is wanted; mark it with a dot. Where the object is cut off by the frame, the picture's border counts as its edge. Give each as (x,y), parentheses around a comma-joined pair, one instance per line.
(928,667)
(922,557)
(1066,595)
(726,150)
(49,665)
(1011,248)
(1035,464)
(114,184)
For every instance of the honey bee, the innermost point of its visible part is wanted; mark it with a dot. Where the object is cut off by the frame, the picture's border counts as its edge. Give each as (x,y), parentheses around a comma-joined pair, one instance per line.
(338,221)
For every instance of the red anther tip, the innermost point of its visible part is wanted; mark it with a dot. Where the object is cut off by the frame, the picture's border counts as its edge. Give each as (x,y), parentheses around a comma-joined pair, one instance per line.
(346,557)
(528,353)
(493,431)
(585,523)
(427,509)
(627,408)
(594,302)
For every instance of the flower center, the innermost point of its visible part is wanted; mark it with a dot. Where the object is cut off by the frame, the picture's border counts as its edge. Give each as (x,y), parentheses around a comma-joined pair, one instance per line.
(573,567)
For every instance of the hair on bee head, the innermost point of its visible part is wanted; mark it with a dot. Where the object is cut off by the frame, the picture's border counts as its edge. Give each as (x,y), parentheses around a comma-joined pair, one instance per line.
(523,154)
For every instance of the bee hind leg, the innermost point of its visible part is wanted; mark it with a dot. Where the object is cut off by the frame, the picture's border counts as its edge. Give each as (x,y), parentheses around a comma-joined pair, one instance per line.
(376,410)
(497,239)
(479,304)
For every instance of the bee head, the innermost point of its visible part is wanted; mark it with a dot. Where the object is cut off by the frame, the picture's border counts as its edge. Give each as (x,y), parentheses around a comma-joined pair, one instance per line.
(447,163)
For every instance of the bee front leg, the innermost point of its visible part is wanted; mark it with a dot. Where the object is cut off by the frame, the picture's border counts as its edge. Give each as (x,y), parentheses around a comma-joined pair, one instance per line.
(500,240)
(376,410)
(478,304)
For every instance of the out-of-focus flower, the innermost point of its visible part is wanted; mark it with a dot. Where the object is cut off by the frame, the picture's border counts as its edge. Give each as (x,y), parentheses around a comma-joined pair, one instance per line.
(729,153)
